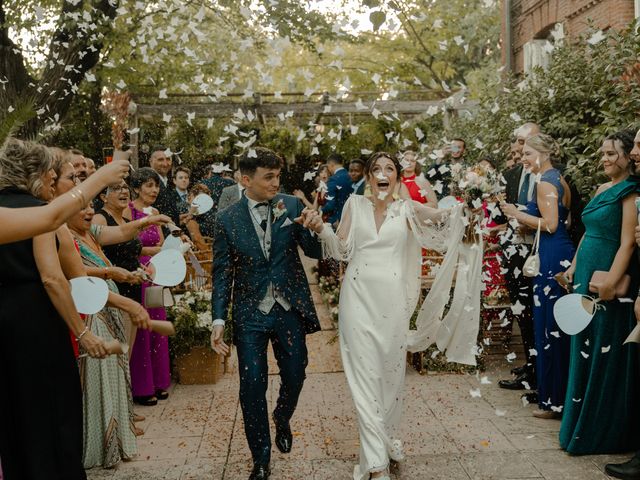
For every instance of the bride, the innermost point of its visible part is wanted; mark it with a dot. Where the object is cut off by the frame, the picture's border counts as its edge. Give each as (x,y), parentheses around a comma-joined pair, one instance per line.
(380,237)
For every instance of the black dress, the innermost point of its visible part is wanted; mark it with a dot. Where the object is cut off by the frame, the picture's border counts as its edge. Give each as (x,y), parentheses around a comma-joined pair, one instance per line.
(41,399)
(124,255)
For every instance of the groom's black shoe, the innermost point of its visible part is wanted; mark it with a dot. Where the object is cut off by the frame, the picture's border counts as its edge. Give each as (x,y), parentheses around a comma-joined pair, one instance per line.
(284,438)
(260,472)
(629,470)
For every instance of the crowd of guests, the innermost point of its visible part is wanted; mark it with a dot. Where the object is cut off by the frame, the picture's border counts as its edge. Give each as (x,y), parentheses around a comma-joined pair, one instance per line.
(109,222)
(587,381)
(74,222)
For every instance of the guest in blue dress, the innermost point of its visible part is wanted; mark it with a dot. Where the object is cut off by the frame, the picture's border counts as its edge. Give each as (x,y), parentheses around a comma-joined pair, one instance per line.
(549,208)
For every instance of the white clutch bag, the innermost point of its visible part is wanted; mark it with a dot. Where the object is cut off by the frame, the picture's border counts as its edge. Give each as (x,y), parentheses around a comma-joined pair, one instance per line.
(157,296)
(531,266)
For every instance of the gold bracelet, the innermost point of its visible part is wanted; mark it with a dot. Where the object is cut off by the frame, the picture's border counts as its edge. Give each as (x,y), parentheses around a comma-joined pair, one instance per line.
(79,337)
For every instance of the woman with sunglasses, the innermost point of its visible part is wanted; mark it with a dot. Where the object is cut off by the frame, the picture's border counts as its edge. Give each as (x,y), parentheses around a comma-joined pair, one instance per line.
(125,255)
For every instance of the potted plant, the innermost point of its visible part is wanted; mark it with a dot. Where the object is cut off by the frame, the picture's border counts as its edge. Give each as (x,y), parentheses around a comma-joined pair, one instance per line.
(194,360)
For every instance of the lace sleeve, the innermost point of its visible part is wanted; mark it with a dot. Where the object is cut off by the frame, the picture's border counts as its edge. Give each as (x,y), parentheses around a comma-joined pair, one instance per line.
(433,228)
(340,245)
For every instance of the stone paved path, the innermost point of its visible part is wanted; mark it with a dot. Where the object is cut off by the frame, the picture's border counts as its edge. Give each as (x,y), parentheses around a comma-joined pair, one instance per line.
(456,427)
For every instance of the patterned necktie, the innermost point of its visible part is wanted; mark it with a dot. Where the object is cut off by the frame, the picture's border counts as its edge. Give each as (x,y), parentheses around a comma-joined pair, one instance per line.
(523,196)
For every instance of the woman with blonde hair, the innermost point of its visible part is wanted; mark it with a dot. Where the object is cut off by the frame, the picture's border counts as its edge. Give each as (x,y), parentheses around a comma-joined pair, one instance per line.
(48,217)
(547,212)
(38,439)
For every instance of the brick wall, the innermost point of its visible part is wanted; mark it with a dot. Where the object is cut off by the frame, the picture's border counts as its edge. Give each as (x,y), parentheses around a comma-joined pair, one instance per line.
(531,19)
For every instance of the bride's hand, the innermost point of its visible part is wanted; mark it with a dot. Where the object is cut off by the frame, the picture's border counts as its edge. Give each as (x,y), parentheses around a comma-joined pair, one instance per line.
(310,219)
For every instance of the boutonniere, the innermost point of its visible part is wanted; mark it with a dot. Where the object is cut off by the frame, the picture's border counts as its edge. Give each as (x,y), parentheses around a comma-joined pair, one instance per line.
(278,210)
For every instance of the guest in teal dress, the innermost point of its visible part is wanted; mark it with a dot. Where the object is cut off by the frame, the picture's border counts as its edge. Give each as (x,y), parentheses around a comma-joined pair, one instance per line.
(549,209)
(603,399)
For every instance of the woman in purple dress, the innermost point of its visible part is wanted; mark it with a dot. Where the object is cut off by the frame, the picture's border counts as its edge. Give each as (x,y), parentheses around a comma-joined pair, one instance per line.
(150,375)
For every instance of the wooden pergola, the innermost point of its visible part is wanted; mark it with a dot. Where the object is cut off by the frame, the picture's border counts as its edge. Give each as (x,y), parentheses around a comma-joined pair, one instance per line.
(411,103)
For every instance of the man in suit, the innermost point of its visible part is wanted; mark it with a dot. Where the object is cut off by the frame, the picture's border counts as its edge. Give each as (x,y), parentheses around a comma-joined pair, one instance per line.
(215,183)
(356,173)
(338,189)
(232,193)
(166,203)
(180,192)
(256,262)
(517,247)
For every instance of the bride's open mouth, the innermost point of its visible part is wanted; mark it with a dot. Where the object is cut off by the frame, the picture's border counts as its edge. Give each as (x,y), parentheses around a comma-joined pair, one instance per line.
(383,184)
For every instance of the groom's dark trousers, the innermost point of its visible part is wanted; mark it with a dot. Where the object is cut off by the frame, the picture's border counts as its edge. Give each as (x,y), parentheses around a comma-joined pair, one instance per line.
(241,267)
(287,336)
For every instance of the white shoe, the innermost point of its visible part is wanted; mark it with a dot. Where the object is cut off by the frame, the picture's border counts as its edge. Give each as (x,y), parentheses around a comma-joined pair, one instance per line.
(396,452)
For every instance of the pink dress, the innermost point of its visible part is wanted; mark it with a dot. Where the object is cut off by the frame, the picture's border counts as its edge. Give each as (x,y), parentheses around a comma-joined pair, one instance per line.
(149,360)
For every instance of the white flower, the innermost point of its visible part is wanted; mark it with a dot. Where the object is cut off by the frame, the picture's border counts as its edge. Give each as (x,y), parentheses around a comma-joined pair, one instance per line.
(456,168)
(205,320)
(279,209)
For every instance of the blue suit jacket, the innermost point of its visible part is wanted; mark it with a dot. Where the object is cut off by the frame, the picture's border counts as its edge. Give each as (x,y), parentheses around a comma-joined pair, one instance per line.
(339,188)
(240,267)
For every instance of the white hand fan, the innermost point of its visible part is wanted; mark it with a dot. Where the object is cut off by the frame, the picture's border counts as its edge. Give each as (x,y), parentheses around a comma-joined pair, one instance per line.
(89,294)
(202,204)
(574,312)
(169,268)
(172,242)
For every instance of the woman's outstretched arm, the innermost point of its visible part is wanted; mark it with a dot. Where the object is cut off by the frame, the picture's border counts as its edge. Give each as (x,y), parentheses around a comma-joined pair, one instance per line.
(23,223)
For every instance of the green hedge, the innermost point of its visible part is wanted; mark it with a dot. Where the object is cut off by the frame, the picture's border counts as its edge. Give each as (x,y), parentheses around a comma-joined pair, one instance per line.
(587,92)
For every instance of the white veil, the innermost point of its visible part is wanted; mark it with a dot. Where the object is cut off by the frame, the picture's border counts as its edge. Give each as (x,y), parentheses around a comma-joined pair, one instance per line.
(455,334)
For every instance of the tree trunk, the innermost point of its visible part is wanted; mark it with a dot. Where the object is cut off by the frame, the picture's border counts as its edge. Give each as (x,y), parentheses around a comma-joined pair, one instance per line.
(73,52)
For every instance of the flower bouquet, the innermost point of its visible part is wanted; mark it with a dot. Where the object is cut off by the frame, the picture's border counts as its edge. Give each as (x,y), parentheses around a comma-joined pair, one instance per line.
(474,185)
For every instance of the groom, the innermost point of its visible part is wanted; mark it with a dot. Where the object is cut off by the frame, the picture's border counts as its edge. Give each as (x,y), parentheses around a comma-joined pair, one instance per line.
(256,259)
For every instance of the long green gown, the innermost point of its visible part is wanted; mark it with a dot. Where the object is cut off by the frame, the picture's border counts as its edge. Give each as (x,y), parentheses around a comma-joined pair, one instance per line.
(602,408)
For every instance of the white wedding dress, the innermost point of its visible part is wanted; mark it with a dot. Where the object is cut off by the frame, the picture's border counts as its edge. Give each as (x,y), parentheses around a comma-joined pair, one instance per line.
(378,295)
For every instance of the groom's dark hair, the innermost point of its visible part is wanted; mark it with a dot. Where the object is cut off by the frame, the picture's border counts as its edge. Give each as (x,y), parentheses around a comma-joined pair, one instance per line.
(263,157)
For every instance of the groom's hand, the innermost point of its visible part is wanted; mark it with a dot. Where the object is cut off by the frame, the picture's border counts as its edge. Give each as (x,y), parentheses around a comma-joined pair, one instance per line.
(217,343)
(315,223)
(303,216)
(311,219)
